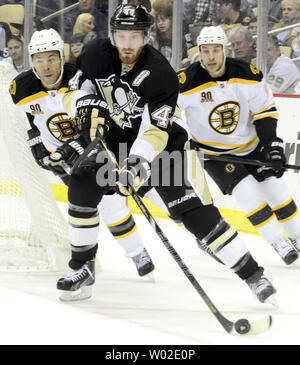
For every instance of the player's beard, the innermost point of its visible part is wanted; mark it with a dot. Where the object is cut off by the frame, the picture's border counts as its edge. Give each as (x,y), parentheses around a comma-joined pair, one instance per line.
(132,58)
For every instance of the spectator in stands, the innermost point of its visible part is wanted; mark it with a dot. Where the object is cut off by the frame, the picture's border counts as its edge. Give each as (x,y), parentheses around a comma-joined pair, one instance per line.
(85,24)
(76,45)
(146,3)
(229,12)
(283,74)
(37,24)
(15,46)
(197,16)
(161,36)
(242,43)
(252,27)
(290,15)
(86,6)
(274,12)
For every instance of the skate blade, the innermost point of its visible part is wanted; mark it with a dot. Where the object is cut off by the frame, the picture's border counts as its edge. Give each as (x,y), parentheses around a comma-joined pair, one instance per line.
(150,277)
(72,296)
(273,301)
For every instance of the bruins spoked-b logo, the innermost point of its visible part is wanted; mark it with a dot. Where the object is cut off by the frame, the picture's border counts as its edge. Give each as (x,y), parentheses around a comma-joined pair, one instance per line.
(61,126)
(224,117)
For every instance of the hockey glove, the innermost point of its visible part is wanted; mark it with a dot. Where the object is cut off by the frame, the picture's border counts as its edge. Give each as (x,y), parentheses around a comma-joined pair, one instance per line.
(37,148)
(62,160)
(92,115)
(133,174)
(274,152)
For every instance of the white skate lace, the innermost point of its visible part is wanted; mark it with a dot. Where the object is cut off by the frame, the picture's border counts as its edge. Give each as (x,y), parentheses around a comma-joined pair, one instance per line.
(283,248)
(75,276)
(141,259)
(259,285)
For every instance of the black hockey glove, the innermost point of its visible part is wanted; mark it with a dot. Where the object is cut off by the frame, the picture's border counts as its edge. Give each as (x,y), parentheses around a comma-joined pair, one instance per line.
(274,153)
(62,160)
(134,173)
(92,115)
(37,148)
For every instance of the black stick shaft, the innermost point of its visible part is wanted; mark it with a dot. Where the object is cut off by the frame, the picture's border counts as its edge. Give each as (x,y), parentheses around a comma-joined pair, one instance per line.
(246,161)
(227,325)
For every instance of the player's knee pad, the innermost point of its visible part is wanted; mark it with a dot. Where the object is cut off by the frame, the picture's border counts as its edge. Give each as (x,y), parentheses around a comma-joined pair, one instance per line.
(200,221)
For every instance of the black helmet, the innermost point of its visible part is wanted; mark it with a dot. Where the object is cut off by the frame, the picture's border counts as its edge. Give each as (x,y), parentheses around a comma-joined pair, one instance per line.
(131,17)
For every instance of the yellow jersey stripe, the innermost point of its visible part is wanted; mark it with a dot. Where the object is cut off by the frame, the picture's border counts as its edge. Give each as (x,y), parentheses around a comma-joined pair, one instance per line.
(200,88)
(31,98)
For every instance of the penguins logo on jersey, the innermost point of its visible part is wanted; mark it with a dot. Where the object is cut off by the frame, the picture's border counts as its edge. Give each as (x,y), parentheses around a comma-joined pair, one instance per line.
(224,117)
(122,100)
(61,126)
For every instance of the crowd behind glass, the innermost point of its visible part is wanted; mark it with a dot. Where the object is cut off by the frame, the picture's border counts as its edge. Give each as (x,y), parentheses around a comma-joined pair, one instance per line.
(238,18)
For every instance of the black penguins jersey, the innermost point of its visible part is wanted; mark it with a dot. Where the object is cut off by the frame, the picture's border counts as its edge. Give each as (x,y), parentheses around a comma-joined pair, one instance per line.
(223,113)
(142,100)
(44,107)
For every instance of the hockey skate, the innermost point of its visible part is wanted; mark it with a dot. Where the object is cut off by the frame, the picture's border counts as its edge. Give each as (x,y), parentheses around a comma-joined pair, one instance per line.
(286,251)
(78,284)
(261,287)
(296,243)
(144,264)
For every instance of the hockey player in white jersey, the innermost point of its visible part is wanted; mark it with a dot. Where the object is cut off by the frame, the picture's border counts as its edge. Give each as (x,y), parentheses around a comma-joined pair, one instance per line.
(39,92)
(231,111)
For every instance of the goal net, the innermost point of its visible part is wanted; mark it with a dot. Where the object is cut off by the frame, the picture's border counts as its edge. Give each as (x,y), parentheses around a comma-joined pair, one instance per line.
(33,231)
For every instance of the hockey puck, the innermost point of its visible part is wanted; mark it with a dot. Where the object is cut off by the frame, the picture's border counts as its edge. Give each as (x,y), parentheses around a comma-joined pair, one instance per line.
(242,326)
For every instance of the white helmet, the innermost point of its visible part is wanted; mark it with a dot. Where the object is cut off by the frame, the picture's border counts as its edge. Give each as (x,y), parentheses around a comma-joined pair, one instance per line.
(44,41)
(212,35)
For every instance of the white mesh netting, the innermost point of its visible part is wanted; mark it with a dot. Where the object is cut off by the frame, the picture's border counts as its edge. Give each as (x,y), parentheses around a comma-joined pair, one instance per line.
(33,231)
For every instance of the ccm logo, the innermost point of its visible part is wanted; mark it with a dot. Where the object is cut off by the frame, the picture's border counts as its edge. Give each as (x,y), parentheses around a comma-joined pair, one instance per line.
(92,102)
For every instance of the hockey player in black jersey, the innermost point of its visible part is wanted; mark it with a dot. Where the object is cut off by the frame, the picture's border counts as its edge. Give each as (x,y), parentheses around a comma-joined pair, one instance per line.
(39,93)
(239,117)
(133,93)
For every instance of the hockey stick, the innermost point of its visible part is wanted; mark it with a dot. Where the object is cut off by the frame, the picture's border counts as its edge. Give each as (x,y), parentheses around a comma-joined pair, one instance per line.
(241,326)
(246,161)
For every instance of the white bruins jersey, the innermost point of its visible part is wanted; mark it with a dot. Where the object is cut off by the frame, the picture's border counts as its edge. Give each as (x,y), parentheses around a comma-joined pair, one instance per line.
(221,112)
(44,108)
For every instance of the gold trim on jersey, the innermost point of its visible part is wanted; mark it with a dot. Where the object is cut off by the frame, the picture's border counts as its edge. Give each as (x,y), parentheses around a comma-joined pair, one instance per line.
(264,109)
(237,147)
(242,81)
(31,98)
(200,88)
(62,90)
(156,137)
(273,114)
